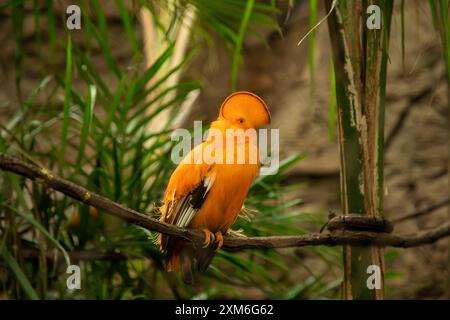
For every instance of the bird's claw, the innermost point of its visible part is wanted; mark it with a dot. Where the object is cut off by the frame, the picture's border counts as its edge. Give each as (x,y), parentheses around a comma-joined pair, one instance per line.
(209,237)
(219,240)
(212,237)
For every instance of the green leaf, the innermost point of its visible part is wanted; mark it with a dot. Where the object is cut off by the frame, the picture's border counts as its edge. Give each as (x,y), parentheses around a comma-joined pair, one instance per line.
(51,29)
(238,45)
(102,38)
(402,19)
(17,20)
(128,26)
(20,275)
(332,112)
(87,121)
(67,99)
(29,217)
(311,40)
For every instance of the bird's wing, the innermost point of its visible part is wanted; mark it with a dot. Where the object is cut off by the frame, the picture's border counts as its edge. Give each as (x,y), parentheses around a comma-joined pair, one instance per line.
(183,209)
(185,194)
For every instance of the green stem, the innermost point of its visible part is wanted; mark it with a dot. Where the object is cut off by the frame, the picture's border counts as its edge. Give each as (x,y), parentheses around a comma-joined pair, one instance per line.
(239,41)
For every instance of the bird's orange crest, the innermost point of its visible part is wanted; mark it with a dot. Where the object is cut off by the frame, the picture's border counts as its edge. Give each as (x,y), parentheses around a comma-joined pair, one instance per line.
(246,109)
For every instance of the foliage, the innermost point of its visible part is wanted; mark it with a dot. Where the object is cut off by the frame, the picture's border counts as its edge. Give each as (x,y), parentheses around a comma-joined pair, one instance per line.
(96,133)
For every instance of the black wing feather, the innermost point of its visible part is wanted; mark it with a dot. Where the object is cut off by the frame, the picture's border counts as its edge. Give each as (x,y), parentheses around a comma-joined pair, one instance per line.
(193,199)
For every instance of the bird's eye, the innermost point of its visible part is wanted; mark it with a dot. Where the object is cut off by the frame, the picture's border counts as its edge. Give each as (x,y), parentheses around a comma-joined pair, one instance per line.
(241,120)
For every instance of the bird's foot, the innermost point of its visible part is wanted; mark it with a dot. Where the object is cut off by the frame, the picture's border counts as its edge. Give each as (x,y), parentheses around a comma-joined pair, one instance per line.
(236,233)
(209,237)
(219,240)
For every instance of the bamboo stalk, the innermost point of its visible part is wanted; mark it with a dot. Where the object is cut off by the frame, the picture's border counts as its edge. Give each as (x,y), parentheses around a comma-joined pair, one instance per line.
(359,56)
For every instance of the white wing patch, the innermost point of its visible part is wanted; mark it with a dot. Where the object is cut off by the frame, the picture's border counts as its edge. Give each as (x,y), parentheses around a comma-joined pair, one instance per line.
(208,183)
(187,207)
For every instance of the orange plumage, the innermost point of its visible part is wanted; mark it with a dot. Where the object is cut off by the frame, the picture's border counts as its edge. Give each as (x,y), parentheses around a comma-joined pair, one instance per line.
(207,192)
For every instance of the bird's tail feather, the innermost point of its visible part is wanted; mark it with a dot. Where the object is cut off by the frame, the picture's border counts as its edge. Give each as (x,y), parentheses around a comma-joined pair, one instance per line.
(193,260)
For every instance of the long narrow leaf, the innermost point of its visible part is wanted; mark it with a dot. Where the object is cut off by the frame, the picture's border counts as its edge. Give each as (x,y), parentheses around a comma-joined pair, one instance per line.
(239,41)
(67,94)
(20,275)
(87,120)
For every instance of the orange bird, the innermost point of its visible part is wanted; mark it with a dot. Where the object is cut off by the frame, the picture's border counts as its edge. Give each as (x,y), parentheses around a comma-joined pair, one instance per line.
(208,188)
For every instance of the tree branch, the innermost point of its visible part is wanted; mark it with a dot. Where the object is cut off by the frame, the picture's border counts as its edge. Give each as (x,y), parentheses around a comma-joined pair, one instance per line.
(423,211)
(336,237)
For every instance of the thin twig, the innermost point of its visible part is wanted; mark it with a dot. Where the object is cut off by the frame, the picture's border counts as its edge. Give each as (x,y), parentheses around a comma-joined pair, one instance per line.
(318,23)
(336,237)
(404,113)
(423,211)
